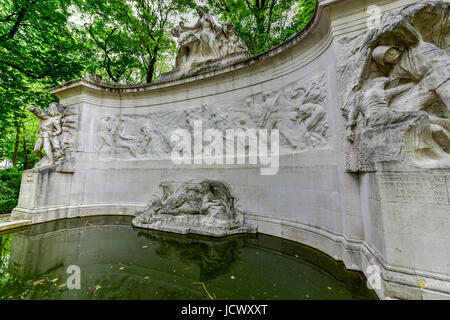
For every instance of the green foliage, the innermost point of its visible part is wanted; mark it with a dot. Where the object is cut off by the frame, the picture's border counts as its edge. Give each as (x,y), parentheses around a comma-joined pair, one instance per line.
(131,38)
(9,189)
(263,24)
(37,51)
(6,206)
(43,42)
(11,288)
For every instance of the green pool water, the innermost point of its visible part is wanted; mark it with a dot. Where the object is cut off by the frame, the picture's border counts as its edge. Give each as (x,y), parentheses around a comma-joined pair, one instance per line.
(117,261)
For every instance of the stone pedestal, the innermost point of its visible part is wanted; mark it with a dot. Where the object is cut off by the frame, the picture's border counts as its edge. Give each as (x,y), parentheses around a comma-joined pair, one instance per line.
(406,221)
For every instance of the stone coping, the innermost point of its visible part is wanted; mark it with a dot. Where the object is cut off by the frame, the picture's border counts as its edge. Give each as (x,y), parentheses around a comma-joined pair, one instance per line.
(7,225)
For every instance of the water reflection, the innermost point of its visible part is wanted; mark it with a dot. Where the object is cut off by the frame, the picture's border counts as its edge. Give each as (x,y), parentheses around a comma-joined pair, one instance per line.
(214,257)
(119,262)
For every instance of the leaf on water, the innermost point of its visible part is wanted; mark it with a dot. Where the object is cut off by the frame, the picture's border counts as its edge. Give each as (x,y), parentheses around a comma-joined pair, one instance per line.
(421,284)
(232,277)
(144,247)
(121,268)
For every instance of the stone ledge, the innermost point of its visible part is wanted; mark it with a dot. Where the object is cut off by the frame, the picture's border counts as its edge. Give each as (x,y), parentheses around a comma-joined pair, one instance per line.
(13,224)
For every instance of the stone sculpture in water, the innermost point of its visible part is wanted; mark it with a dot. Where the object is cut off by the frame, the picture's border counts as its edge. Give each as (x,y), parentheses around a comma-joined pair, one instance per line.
(207,44)
(395,86)
(204,207)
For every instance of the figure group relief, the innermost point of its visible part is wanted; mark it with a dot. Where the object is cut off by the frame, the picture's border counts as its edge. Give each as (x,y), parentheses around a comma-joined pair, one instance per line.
(395,86)
(57,134)
(298,111)
(206,42)
(195,206)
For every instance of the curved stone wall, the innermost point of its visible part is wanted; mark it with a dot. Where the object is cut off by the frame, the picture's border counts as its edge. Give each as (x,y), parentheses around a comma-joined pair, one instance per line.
(311,199)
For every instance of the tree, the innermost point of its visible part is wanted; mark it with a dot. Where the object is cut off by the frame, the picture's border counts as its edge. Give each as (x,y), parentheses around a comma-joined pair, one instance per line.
(131,38)
(37,51)
(263,24)
(35,40)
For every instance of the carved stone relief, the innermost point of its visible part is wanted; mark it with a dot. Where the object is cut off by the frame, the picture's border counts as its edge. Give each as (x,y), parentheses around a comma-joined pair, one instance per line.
(204,207)
(298,111)
(395,86)
(207,44)
(57,134)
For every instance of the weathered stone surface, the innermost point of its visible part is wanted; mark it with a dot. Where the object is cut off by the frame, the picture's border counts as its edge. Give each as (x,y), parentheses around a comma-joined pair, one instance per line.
(205,46)
(57,130)
(390,211)
(203,207)
(298,110)
(395,84)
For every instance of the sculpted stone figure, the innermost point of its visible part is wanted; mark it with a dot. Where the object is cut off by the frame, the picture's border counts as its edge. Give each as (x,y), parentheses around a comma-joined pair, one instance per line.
(49,132)
(205,45)
(373,105)
(113,136)
(397,77)
(203,207)
(298,110)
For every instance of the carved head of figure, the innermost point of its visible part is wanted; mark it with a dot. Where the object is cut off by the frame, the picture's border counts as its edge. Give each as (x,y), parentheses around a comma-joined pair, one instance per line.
(386,55)
(229,26)
(52,109)
(298,93)
(205,187)
(146,130)
(201,10)
(266,95)
(176,32)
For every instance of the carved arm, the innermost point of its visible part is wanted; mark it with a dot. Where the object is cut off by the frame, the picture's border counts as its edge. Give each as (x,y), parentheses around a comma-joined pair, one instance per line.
(391,93)
(36,111)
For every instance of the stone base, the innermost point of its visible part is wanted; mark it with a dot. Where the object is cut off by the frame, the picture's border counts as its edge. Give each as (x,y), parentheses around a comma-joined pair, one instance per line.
(405,216)
(202,66)
(186,224)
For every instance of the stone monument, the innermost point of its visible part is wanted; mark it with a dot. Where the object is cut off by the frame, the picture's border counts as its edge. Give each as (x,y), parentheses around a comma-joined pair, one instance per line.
(56,131)
(203,207)
(395,81)
(204,46)
(360,102)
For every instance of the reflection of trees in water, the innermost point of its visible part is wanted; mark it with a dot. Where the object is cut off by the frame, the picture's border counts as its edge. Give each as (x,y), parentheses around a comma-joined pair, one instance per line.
(214,257)
(10,286)
(5,249)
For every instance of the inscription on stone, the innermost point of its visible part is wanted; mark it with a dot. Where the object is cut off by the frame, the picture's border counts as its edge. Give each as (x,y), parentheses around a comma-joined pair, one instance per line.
(418,189)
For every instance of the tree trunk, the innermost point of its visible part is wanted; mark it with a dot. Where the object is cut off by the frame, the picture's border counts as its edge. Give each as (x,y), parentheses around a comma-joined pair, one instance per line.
(151,67)
(16,144)
(25,149)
